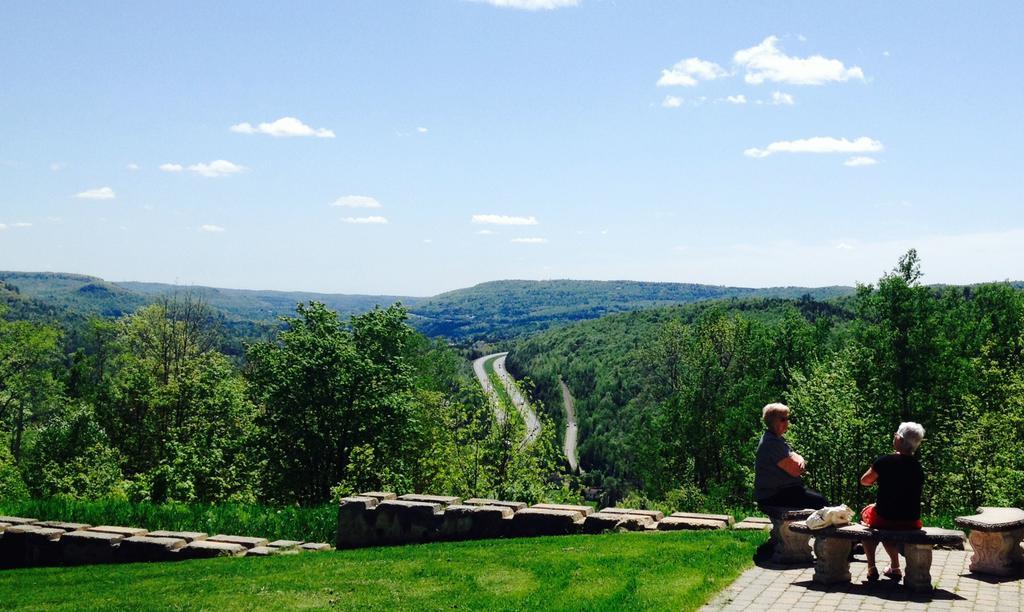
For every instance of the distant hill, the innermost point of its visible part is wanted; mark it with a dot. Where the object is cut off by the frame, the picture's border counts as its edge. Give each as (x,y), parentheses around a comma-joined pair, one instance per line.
(502,310)
(88,295)
(266,305)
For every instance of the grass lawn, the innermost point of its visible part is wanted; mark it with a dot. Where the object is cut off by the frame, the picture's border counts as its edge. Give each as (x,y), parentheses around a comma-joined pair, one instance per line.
(665,571)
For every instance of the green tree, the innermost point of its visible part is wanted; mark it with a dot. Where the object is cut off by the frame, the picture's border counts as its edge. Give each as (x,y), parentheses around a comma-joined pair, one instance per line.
(30,354)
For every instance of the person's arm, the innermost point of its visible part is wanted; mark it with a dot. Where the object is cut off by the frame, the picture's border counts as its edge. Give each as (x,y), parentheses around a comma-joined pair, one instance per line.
(870,477)
(793,465)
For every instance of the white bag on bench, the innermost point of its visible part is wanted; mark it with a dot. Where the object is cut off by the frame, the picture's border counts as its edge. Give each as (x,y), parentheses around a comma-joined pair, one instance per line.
(830,516)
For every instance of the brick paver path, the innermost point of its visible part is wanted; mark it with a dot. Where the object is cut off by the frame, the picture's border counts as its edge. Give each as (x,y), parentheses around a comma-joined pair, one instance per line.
(792,590)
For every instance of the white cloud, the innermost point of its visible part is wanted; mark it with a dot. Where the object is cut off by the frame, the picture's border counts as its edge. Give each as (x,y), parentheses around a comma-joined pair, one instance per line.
(689,71)
(672,102)
(529,240)
(860,160)
(504,220)
(531,5)
(132,167)
(356,201)
(427,241)
(365,220)
(737,99)
(781,99)
(219,167)
(211,228)
(57,166)
(21,224)
(100,193)
(282,128)
(485,232)
(172,167)
(765,62)
(422,130)
(3,227)
(818,144)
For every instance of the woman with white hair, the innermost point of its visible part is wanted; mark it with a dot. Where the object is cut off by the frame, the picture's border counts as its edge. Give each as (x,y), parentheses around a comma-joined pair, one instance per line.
(778,469)
(900,479)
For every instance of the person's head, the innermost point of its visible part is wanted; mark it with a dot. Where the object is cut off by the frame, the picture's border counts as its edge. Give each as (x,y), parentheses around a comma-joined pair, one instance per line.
(776,417)
(908,437)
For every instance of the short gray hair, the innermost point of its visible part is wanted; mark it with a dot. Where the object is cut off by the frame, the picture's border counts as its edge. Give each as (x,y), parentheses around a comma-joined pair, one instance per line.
(771,411)
(909,436)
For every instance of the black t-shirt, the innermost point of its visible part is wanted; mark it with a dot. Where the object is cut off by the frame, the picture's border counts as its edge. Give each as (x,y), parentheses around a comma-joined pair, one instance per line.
(900,479)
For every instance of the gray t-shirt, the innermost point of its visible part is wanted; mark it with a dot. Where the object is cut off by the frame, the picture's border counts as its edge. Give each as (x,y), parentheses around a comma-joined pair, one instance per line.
(769,478)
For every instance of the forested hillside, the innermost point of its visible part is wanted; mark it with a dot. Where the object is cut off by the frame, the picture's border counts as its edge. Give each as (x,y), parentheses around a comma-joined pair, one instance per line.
(516,308)
(149,407)
(669,400)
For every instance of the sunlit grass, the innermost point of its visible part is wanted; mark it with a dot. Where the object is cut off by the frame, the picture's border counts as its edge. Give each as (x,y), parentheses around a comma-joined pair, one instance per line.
(665,571)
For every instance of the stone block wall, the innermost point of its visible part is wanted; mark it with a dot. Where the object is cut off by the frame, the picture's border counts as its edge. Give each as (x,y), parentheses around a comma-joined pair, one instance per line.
(379,518)
(26,542)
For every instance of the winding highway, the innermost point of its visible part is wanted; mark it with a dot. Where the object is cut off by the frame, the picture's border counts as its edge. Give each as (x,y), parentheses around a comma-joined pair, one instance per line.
(522,406)
(571,430)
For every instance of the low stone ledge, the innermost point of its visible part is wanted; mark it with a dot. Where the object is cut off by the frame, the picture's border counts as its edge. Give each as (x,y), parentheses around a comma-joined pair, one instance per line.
(762,520)
(679,523)
(600,522)
(379,495)
(246,541)
(86,547)
(3,526)
(467,522)
(656,515)
(148,548)
(536,521)
(17,520)
(357,520)
(363,502)
(585,510)
(747,526)
(30,545)
(315,547)
(444,500)
(126,532)
(204,549)
(406,522)
(285,544)
(64,526)
(188,536)
(482,501)
(263,551)
(728,519)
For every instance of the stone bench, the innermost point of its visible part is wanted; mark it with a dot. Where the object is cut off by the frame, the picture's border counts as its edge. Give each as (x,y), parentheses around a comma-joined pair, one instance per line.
(788,546)
(832,547)
(995,535)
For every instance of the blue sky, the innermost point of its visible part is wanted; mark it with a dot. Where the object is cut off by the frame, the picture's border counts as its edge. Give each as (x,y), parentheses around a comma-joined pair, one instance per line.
(415,147)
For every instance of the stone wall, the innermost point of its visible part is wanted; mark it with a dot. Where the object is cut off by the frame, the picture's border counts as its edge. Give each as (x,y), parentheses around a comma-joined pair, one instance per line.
(380,518)
(27,542)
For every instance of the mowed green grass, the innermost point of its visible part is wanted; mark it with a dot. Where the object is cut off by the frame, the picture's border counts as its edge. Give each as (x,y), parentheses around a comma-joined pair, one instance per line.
(666,571)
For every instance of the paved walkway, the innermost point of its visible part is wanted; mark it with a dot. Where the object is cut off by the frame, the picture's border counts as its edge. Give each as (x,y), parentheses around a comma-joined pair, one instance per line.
(791,589)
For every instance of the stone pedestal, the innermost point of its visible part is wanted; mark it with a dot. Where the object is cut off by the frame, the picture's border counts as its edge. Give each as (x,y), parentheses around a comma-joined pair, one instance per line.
(918,575)
(832,560)
(997,552)
(790,547)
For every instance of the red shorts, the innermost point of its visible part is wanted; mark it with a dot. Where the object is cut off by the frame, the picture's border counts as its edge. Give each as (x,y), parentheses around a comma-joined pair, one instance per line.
(872,519)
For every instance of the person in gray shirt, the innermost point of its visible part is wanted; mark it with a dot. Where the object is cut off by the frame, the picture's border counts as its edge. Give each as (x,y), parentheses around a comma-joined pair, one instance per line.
(778,471)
